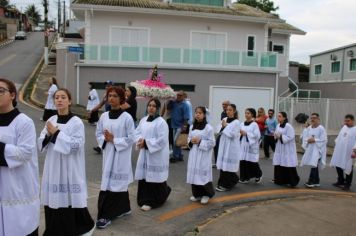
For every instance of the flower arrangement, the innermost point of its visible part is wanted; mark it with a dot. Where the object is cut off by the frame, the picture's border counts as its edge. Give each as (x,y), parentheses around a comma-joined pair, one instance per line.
(153,86)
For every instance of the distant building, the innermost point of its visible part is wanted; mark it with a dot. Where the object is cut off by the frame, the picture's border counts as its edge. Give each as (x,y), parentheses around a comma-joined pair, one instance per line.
(333,72)
(212,49)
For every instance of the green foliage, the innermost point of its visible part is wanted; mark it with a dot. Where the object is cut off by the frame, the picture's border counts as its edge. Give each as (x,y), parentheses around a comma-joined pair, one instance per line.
(32,12)
(264,5)
(4,3)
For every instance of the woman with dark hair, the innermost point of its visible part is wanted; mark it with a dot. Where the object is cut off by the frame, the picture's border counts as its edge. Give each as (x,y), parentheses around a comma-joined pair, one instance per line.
(93,101)
(115,135)
(285,157)
(130,106)
(64,190)
(19,187)
(50,108)
(153,161)
(229,150)
(250,135)
(201,142)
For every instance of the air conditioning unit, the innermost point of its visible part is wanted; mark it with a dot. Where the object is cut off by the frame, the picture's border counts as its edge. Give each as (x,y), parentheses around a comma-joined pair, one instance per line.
(350,53)
(333,57)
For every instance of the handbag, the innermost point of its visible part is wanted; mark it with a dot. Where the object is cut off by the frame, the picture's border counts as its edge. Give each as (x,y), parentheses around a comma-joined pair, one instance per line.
(182,140)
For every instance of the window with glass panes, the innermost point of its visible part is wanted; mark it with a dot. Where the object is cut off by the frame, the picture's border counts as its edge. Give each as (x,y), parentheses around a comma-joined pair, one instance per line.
(335,67)
(353,64)
(317,69)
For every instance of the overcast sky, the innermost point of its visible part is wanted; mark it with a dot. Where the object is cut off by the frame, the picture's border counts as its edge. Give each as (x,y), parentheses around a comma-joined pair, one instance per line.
(329,24)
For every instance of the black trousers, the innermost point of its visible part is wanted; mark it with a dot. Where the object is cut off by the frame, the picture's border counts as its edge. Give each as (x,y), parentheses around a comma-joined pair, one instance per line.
(199,191)
(268,141)
(249,170)
(216,148)
(314,175)
(341,179)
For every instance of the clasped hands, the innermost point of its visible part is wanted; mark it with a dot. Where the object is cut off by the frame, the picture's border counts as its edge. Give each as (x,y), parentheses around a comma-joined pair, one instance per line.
(108,137)
(195,140)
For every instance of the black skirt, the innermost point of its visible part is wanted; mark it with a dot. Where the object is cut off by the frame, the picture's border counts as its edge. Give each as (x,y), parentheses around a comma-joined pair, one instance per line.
(286,176)
(48,113)
(113,204)
(67,221)
(93,117)
(228,179)
(152,194)
(199,191)
(249,169)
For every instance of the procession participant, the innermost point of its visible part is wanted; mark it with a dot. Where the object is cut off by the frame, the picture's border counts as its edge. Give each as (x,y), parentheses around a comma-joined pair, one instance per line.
(250,135)
(153,161)
(93,101)
(115,135)
(201,143)
(342,156)
(268,141)
(19,187)
(130,106)
(64,189)
(229,150)
(285,157)
(314,144)
(50,108)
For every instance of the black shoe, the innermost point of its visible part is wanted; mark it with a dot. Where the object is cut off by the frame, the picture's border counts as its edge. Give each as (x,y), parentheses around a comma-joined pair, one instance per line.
(102,223)
(346,188)
(97,149)
(172,160)
(338,185)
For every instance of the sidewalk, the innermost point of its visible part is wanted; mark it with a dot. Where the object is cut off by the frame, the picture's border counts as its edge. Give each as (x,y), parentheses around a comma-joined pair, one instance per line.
(3,43)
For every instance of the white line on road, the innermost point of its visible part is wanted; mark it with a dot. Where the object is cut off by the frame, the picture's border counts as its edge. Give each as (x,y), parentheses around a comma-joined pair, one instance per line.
(7,59)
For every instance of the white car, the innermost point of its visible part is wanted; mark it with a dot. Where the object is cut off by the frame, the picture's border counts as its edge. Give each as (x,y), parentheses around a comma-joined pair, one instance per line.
(20,35)
(37,29)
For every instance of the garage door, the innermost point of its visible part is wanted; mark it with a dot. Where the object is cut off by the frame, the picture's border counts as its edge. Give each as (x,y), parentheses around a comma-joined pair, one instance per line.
(242,97)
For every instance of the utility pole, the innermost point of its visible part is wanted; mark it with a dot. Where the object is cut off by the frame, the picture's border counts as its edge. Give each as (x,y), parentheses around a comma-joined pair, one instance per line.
(59,16)
(64,19)
(45,6)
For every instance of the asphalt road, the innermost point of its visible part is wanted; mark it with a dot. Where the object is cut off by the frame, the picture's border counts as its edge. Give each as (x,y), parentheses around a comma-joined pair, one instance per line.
(18,59)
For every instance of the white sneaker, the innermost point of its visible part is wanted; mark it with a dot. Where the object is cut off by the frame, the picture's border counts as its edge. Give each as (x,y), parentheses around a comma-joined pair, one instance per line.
(146,208)
(194,199)
(220,189)
(204,200)
(258,180)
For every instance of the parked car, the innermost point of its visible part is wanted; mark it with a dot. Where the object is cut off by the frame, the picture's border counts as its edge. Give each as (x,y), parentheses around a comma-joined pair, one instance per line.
(51,29)
(20,35)
(38,29)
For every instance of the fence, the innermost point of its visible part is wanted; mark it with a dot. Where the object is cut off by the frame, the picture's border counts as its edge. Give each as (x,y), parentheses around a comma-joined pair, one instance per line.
(331,111)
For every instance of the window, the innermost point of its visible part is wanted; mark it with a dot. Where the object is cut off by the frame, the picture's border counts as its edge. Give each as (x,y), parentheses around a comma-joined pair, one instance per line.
(270,46)
(202,2)
(353,64)
(317,69)
(129,36)
(250,45)
(213,41)
(335,67)
(278,48)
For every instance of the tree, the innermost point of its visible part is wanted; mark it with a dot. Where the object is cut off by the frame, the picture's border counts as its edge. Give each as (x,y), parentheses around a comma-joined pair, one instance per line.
(4,3)
(32,12)
(264,5)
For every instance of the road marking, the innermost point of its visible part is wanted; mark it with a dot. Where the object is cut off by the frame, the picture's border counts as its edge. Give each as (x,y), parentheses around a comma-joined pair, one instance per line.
(240,196)
(7,59)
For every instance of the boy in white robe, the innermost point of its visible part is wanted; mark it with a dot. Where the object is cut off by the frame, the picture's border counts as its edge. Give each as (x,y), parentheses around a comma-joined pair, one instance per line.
(19,187)
(314,144)
(341,158)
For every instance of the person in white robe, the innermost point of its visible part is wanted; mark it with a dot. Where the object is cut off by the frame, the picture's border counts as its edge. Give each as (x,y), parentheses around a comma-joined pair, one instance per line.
(19,187)
(50,108)
(93,101)
(342,156)
(250,152)
(64,189)
(115,135)
(201,142)
(152,167)
(285,158)
(228,161)
(314,144)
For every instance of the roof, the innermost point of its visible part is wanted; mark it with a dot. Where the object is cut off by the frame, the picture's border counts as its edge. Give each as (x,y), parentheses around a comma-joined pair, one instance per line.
(237,10)
(334,49)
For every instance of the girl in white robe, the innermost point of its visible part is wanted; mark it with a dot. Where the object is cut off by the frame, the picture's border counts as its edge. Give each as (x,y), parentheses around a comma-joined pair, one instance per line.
(115,135)
(19,187)
(201,142)
(153,161)
(93,101)
(50,108)
(64,190)
(249,141)
(342,156)
(314,144)
(285,158)
(228,160)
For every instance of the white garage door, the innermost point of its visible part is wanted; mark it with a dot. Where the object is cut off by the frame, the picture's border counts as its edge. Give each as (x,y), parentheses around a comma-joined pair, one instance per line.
(242,97)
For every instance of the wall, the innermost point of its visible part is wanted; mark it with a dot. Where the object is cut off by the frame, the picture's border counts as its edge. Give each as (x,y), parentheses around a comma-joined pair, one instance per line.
(341,90)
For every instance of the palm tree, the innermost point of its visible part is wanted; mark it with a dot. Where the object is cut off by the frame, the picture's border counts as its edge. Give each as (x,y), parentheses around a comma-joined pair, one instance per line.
(32,12)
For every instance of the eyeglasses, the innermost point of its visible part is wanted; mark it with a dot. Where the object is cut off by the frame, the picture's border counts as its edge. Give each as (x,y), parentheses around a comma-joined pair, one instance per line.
(3,91)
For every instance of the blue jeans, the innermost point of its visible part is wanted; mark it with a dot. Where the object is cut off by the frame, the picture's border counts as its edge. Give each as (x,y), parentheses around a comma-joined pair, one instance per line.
(177,151)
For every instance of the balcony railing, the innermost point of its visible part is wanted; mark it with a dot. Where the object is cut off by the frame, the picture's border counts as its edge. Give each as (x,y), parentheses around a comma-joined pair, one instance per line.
(186,57)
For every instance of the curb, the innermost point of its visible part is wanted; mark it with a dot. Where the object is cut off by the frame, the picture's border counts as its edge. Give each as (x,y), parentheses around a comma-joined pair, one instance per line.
(7,42)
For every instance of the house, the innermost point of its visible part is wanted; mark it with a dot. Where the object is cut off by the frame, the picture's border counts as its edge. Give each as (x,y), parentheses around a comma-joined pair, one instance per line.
(333,72)
(212,49)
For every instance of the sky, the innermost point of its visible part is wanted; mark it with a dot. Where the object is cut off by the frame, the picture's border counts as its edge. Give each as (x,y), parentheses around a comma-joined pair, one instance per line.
(329,23)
